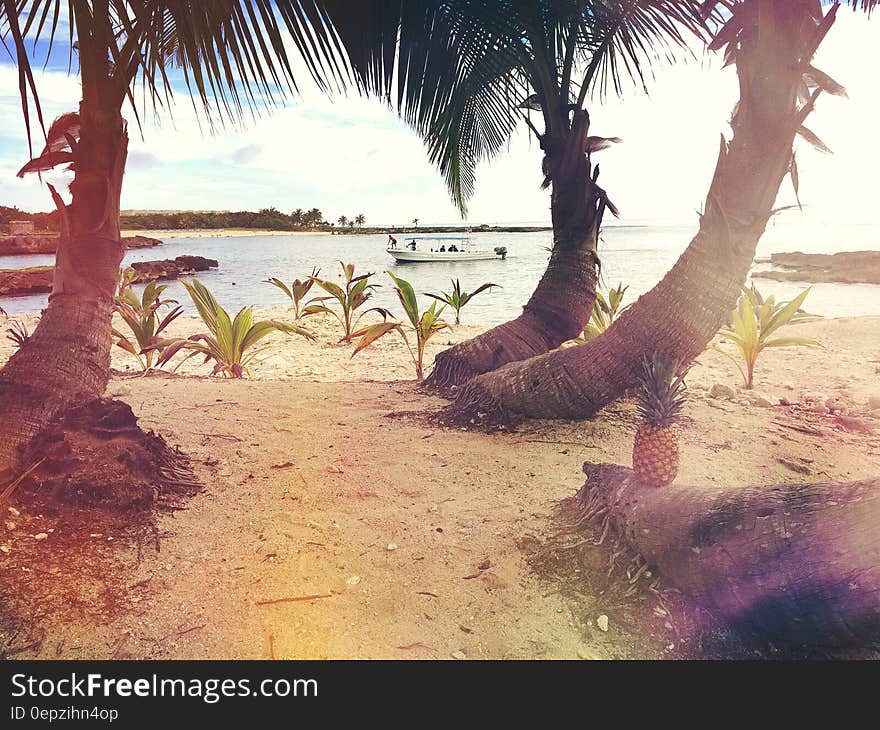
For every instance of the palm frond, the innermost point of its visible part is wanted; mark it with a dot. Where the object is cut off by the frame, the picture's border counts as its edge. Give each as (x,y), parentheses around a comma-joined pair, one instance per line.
(232,56)
(462,72)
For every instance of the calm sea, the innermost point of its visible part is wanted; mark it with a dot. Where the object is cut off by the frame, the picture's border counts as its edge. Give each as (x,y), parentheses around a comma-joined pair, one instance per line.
(635,255)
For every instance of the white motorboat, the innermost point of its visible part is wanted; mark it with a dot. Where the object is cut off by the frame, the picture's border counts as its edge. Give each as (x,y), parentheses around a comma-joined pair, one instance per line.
(427,249)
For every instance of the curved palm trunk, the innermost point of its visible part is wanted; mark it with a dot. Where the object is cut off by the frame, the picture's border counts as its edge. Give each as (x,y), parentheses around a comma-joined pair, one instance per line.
(685,310)
(798,564)
(562,302)
(68,355)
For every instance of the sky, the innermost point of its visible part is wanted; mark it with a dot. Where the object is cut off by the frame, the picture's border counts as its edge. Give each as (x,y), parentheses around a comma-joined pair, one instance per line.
(351,155)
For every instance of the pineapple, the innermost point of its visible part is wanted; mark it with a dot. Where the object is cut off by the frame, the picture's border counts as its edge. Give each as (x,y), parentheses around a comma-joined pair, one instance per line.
(660,399)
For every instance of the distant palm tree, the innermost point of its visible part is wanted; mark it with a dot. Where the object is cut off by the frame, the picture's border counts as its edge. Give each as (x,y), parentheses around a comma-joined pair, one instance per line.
(415,222)
(342,221)
(469,72)
(360,219)
(233,59)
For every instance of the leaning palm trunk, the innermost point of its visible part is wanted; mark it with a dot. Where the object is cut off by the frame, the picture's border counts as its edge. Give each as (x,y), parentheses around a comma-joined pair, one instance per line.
(68,355)
(563,300)
(685,310)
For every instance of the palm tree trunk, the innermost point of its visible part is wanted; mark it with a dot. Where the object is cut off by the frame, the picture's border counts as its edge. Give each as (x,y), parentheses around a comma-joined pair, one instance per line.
(563,300)
(685,310)
(68,355)
(796,564)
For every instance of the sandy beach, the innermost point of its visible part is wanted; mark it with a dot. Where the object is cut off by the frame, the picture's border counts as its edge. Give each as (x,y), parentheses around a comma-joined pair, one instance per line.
(325,476)
(162,234)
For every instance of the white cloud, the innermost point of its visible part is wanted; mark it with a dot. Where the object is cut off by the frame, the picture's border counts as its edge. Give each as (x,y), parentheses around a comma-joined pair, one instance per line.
(348,155)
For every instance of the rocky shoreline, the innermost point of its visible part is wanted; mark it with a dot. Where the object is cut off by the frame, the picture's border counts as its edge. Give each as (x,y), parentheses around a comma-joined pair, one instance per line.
(47,243)
(38,279)
(850,267)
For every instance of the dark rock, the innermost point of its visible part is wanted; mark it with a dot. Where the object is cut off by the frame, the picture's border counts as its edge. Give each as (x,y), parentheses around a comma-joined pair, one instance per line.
(850,267)
(168,269)
(36,280)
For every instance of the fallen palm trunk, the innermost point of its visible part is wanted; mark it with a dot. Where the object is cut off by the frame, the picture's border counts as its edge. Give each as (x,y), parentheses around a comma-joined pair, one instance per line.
(797,564)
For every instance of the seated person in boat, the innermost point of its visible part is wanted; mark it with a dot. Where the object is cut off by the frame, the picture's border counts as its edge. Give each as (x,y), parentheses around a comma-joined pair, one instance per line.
(453,248)
(411,245)
(443,249)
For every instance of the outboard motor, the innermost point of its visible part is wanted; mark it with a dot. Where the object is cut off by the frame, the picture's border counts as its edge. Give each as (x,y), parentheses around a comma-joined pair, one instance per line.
(501,251)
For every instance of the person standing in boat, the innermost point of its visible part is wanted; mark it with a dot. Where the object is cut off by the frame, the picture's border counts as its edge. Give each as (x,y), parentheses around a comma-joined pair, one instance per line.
(392,241)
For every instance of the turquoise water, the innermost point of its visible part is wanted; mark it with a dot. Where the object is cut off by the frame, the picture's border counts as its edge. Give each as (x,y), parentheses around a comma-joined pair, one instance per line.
(635,255)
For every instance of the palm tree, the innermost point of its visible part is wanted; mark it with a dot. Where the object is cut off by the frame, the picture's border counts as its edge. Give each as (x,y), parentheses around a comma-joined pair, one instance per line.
(772,45)
(415,222)
(342,221)
(233,59)
(468,72)
(313,218)
(360,219)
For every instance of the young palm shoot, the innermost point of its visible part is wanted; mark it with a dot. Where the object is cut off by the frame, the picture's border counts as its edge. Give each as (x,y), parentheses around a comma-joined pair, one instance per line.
(229,343)
(753,321)
(605,311)
(141,314)
(357,292)
(423,325)
(18,333)
(297,291)
(457,298)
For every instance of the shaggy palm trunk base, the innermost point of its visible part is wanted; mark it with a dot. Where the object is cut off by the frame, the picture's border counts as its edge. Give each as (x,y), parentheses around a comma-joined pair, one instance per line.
(94,454)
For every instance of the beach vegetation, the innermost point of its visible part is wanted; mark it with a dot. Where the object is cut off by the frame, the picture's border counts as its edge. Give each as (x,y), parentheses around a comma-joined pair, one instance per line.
(457,299)
(351,298)
(605,310)
(230,343)
(297,291)
(18,333)
(753,322)
(422,325)
(141,315)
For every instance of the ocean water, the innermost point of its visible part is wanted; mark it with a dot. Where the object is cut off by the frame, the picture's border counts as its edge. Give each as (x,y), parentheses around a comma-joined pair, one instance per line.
(638,256)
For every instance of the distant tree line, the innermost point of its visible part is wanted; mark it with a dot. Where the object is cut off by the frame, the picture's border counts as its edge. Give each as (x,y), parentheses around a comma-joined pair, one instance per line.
(41,221)
(268,218)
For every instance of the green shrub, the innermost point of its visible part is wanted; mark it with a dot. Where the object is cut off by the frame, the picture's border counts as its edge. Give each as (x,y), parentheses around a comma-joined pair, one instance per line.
(229,343)
(458,299)
(605,310)
(752,323)
(357,292)
(423,325)
(297,291)
(141,314)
